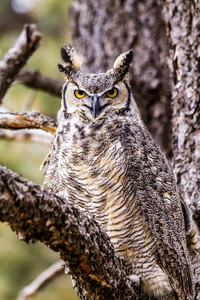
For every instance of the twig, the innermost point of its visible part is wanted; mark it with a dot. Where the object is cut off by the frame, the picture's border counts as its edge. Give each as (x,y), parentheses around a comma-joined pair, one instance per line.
(35,80)
(17,56)
(54,270)
(30,100)
(31,135)
(31,119)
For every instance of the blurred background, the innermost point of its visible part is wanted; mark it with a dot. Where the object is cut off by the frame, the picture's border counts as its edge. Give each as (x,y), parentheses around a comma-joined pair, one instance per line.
(21,263)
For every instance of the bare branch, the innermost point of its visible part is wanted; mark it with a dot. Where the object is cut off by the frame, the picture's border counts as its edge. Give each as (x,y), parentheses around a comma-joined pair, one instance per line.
(30,290)
(35,80)
(35,213)
(30,135)
(31,119)
(17,56)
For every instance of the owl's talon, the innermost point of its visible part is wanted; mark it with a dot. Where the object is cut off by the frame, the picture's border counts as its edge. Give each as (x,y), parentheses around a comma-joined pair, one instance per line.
(136,279)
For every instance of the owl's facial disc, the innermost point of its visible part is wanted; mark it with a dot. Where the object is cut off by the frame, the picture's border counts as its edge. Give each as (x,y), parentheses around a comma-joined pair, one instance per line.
(92,105)
(96,107)
(97,102)
(90,102)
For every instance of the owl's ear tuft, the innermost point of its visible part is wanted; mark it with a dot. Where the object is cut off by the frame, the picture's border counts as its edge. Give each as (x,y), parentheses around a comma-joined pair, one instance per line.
(65,53)
(61,68)
(72,62)
(123,61)
(71,57)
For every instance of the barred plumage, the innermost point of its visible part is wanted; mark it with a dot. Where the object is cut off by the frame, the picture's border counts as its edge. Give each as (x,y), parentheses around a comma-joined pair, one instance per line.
(104,160)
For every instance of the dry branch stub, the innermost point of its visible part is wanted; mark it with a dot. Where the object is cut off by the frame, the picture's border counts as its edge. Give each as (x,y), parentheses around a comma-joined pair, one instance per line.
(17,56)
(30,119)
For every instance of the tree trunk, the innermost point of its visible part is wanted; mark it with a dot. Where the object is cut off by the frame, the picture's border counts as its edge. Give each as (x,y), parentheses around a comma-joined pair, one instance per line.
(104,29)
(183,24)
(183,28)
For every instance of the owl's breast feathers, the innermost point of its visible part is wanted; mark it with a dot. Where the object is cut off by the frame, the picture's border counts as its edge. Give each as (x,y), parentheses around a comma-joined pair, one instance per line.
(102,166)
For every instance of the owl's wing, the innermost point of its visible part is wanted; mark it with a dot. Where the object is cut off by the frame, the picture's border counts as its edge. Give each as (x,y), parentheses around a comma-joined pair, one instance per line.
(50,169)
(164,212)
(45,163)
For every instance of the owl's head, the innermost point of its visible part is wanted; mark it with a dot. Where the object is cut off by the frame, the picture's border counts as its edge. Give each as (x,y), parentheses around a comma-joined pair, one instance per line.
(93,96)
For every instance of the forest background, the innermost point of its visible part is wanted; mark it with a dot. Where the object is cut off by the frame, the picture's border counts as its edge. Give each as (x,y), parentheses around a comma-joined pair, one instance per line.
(21,263)
(165,81)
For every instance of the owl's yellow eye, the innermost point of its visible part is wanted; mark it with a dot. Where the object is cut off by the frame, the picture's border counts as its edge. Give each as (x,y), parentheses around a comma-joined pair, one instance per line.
(112,93)
(79,94)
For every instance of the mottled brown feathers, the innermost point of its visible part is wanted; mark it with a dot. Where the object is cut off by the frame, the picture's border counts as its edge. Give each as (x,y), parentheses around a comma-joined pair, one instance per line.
(110,167)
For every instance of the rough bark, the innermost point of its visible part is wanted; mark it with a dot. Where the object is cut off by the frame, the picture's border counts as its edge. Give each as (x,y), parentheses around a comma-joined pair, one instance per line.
(31,119)
(17,56)
(104,29)
(183,23)
(39,215)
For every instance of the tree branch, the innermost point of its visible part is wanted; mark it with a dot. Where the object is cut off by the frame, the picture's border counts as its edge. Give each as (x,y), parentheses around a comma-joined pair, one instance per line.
(30,119)
(30,135)
(46,276)
(35,213)
(17,56)
(35,80)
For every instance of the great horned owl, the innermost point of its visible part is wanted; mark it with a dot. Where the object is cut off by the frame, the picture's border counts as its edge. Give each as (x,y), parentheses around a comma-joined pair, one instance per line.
(104,160)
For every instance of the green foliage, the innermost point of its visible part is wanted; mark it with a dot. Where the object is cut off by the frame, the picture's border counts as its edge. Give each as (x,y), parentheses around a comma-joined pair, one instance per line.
(21,263)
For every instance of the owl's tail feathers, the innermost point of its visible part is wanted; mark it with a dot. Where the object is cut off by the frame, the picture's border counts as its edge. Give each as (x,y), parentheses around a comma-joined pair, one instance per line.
(136,279)
(194,238)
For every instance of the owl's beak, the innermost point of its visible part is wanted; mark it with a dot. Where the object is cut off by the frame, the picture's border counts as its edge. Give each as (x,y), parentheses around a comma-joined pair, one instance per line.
(95,106)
